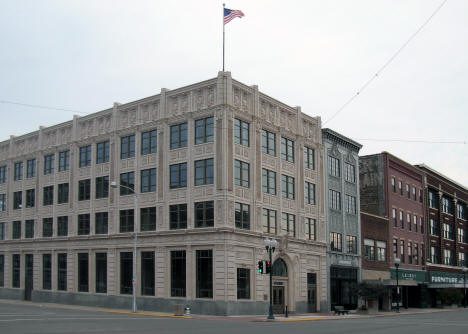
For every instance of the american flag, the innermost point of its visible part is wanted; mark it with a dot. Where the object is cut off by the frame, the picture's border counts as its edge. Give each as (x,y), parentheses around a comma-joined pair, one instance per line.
(230,14)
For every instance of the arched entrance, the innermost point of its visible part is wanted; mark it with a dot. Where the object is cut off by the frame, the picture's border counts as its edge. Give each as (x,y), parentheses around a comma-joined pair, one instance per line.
(279,272)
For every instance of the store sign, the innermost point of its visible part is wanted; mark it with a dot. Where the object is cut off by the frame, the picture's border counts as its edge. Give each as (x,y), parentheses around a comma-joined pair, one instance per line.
(446,278)
(409,275)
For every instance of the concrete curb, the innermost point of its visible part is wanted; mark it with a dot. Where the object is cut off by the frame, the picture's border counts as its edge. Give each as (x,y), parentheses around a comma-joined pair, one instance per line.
(154,315)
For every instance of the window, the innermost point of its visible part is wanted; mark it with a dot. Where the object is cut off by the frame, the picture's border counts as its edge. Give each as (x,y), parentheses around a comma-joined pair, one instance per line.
(31,168)
(83,224)
(369,250)
(178,136)
(2,270)
(84,190)
(46,271)
(178,175)
(204,274)
(461,211)
(288,224)
(310,229)
(334,197)
(101,272)
(420,195)
(402,221)
(434,254)
(29,229)
(395,223)
(269,221)
(395,248)
(204,172)
(393,185)
(335,242)
(400,187)
(147,273)
(433,199)
(62,196)
(2,231)
(85,156)
(17,200)
(351,240)
(287,149)
(350,202)
(127,180)
(2,202)
(416,254)
(350,173)
(126,221)
(268,142)
(3,174)
(47,227)
(447,205)
(148,219)
(102,187)
(62,271)
(18,171)
(309,158)
(62,226)
(16,270)
(461,260)
(415,222)
(204,130)
(204,214)
(127,147)
(16,232)
(448,257)
(414,194)
(102,152)
(149,142)
(241,173)
(64,161)
(434,226)
(30,198)
(309,189)
(448,231)
(410,253)
(242,216)
(101,223)
(402,251)
(268,181)
(178,273)
(126,272)
(461,235)
(241,132)
(421,224)
(49,164)
(243,283)
(381,250)
(148,180)
(177,216)
(408,194)
(83,275)
(408,220)
(287,187)
(48,195)
(334,166)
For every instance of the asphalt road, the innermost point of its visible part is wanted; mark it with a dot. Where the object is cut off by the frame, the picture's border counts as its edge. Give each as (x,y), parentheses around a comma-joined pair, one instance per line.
(19,318)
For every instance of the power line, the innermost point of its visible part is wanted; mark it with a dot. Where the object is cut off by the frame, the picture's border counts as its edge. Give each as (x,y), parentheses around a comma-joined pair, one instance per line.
(413,141)
(41,107)
(388,62)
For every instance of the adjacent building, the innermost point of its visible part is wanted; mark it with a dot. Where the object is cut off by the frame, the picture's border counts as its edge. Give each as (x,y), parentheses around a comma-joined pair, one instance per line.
(343,219)
(216,167)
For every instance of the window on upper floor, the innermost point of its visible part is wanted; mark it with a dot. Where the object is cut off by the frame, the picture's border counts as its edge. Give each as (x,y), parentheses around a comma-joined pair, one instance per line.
(102,187)
(268,181)
(204,172)
(414,194)
(48,195)
(408,221)
(101,222)
(334,199)
(310,228)
(3,203)
(62,196)
(462,259)
(400,187)
(2,231)
(84,190)
(434,227)
(269,221)
(178,216)
(433,203)
(408,194)
(402,251)
(309,193)
(64,161)
(402,221)
(204,214)
(242,216)
(102,152)
(393,185)
(351,242)
(127,182)
(287,149)
(3,174)
(30,198)
(461,211)
(127,147)
(178,175)
(394,217)
(334,166)
(49,164)
(178,136)
(434,254)
(148,180)
(29,229)
(288,187)
(16,230)
(350,202)
(84,224)
(448,231)
(350,173)
(336,242)
(204,130)
(85,156)
(241,132)
(30,168)
(381,251)
(309,158)
(149,142)
(18,175)
(288,224)
(449,259)
(17,200)
(269,142)
(461,235)
(447,205)
(62,226)
(126,221)
(148,219)
(241,173)
(369,249)
(47,227)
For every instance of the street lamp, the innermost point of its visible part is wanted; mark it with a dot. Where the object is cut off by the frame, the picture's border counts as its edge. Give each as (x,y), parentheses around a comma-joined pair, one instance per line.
(270,245)
(465,269)
(397,264)
(134,274)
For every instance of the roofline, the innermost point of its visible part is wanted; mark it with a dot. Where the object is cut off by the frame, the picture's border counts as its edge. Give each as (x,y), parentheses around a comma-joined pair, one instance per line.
(422,165)
(339,135)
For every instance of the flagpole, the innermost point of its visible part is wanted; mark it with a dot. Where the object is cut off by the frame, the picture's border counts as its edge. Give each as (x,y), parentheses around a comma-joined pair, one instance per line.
(223,34)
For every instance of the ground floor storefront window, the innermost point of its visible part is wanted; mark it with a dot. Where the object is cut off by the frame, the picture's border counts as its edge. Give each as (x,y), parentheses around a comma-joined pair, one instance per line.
(342,291)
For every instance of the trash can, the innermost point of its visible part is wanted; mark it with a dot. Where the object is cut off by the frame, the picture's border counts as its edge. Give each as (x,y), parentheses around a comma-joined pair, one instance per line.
(179,309)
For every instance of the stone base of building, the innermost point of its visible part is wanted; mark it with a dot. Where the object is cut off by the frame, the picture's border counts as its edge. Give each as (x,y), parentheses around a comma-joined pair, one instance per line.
(15,294)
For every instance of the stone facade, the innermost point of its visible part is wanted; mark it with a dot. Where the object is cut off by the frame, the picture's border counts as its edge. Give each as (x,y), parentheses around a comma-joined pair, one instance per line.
(225,100)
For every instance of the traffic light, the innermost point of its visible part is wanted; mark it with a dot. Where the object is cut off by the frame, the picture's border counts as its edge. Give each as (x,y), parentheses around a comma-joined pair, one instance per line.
(268,267)
(260,267)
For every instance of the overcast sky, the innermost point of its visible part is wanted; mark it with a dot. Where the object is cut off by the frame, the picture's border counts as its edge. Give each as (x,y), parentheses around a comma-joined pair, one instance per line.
(84,55)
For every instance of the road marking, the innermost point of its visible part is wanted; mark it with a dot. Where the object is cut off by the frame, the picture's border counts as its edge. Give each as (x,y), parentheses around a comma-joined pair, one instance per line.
(148,314)
(303,319)
(74,318)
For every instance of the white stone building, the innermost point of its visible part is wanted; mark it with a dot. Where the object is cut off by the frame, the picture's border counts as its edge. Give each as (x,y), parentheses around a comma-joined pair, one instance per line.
(217,166)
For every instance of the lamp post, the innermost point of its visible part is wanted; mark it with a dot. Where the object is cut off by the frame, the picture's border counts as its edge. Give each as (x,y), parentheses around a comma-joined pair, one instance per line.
(270,245)
(397,264)
(465,269)
(134,271)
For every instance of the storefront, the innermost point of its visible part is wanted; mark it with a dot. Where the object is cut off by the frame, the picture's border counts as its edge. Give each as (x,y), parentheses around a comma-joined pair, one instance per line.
(413,288)
(342,282)
(440,282)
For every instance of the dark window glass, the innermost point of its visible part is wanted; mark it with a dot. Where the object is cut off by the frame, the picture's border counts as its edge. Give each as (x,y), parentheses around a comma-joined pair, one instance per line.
(16,270)
(48,195)
(148,219)
(241,173)
(3,203)
(64,161)
(47,227)
(433,199)
(287,187)
(126,272)
(268,181)
(178,136)
(29,229)
(352,244)
(204,214)
(18,171)
(62,271)
(149,142)
(204,130)
(310,229)
(242,216)
(85,156)
(31,168)
(101,272)
(3,174)
(350,173)
(177,216)
(83,275)
(62,226)
(309,193)
(30,198)
(126,221)
(288,224)
(49,164)
(268,142)
(127,147)
(334,199)
(46,271)
(243,283)
(350,202)
(2,231)
(178,273)
(335,242)
(84,190)
(309,158)
(102,152)
(287,149)
(102,187)
(204,172)
(241,132)
(148,180)
(83,224)
(178,175)
(127,180)
(147,273)
(204,274)
(62,196)
(334,166)
(101,223)
(269,221)
(17,200)
(16,233)
(2,270)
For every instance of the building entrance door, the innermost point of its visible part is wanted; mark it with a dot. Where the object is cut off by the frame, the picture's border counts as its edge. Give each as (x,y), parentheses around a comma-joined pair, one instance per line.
(28,276)
(278,299)
(311,293)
